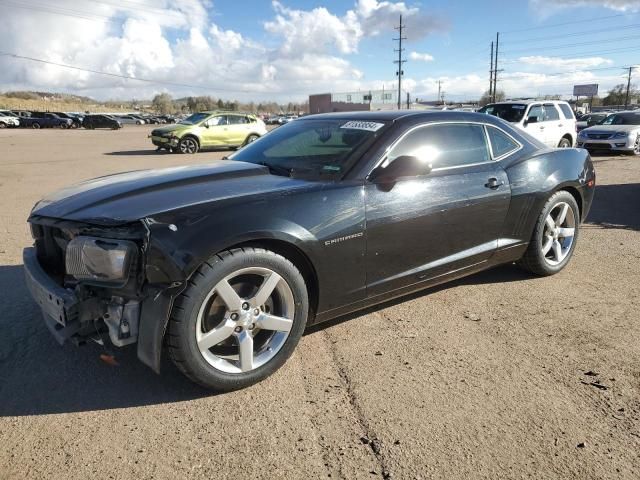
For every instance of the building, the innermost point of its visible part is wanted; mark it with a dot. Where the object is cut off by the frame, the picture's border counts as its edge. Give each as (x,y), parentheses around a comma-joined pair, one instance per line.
(354,101)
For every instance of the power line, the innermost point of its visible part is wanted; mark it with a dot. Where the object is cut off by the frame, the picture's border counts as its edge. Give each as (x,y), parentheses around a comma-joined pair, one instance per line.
(580,44)
(573,22)
(139,79)
(574,34)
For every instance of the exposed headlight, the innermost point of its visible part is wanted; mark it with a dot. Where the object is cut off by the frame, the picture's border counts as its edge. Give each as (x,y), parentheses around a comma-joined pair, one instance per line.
(99,260)
(621,135)
(582,134)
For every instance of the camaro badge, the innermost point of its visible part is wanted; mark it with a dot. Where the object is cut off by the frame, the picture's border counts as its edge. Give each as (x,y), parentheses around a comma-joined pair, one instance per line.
(342,239)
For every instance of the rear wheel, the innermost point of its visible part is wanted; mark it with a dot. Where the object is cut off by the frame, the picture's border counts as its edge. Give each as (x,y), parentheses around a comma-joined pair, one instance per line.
(554,237)
(35,125)
(188,145)
(3,125)
(239,319)
(564,143)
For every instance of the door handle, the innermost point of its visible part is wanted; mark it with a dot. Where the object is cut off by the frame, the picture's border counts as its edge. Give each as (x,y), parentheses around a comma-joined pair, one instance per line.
(541,128)
(560,125)
(493,183)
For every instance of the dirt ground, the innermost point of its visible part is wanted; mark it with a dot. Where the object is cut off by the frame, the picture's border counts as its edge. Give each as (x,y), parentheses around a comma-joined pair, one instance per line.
(500,375)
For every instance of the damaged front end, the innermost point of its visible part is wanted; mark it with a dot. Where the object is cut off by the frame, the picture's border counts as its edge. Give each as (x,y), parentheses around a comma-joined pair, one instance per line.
(91,282)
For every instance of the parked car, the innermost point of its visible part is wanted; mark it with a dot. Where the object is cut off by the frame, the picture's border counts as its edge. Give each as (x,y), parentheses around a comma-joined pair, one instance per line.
(76,120)
(551,122)
(273,120)
(129,120)
(618,132)
(207,130)
(225,263)
(590,119)
(7,119)
(45,120)
(100,121)
(287,119)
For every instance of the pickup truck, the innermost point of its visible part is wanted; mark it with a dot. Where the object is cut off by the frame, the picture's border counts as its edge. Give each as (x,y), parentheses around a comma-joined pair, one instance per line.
(43,120)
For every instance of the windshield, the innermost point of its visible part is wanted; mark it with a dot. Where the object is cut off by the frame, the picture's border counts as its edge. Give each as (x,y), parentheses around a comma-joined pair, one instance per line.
(195,118)
(511,112)
(313,149)
(622,119)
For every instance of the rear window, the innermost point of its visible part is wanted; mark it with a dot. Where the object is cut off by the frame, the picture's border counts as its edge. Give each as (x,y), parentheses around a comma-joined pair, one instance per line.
(566,111)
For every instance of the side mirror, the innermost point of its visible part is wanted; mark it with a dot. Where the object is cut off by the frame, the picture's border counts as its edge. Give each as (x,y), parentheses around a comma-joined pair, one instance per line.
(530,120)
(403,166)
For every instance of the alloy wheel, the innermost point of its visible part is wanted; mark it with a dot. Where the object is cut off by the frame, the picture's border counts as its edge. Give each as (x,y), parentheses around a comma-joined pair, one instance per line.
(188,145)
(558,234)
(245,320)
(636,146)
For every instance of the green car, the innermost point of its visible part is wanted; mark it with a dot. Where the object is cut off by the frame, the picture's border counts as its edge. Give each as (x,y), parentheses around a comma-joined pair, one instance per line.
(209,130)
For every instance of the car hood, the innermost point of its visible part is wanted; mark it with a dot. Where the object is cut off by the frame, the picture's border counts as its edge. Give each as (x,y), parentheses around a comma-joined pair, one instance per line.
(611,128)
(158,132)
(128,197)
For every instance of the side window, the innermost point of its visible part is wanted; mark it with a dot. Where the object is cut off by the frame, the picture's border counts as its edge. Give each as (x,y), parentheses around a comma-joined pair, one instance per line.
(501,143)
(566,111)
(250,119)
(536,111)
(550,112)
(237,119)
(444,145)
(215,121)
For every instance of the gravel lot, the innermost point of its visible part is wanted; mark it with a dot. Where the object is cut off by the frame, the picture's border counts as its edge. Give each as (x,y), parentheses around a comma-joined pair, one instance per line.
(500,375)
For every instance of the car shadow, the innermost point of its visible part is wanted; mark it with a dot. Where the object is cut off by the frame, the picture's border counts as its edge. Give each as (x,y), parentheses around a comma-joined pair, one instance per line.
(39,377)
(616,206)
(133,153)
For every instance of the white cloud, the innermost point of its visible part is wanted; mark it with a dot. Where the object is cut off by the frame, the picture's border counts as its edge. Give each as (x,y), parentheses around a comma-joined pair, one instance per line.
(565,63)
(544,7)
(304,50)
(421,57)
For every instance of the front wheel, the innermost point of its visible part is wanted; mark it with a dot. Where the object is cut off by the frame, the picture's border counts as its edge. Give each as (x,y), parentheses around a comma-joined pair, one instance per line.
(35,125)
(554,237)
(564,143)
(239,319)
(188,145)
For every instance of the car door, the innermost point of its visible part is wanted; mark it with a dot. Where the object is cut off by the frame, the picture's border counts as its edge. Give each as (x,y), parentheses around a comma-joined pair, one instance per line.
(238,129)
(214,131)
(537,128)
(554,126)
(423,227)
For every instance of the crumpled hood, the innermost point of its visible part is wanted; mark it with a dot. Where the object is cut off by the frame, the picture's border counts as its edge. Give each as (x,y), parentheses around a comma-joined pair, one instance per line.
(158,132)
(127,197)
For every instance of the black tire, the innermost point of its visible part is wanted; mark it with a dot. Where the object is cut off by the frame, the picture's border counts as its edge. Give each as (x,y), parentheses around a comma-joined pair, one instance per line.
(534,260)
(3,125)
(188,145)
(251,138)
(564,143)
(35,125)
(181,333)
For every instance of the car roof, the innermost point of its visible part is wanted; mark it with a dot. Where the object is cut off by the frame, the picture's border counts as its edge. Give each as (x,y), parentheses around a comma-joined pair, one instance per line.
(527,102)
(394,115)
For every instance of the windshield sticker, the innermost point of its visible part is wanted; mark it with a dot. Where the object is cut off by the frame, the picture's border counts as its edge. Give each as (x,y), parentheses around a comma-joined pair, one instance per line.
(358,125)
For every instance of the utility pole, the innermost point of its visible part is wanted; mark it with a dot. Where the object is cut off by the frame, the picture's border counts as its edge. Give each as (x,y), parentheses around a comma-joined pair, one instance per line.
(439,89)
(491,75)
(400,61)
(626,98)
(408,101)
(495,70)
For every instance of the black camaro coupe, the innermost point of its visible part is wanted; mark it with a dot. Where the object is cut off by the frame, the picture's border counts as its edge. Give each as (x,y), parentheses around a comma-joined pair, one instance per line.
(225,264)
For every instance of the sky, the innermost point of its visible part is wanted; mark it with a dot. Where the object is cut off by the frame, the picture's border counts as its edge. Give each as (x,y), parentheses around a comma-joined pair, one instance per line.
(284,50)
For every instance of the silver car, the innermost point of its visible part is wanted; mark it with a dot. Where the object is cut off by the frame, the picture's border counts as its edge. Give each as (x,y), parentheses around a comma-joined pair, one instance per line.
(619,132)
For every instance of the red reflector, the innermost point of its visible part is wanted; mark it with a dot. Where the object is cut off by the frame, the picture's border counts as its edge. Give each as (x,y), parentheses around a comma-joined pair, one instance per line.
(591,183)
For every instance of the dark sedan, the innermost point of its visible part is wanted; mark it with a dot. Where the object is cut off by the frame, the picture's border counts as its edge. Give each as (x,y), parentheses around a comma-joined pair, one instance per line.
(225,264)
(100,121)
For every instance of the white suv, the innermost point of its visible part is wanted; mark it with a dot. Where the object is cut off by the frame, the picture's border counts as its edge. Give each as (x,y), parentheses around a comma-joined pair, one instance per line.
(550,121)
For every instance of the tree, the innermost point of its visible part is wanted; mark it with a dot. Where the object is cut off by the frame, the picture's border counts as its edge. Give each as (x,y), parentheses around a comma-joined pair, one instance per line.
(618,94)
(484,99)
(163,103)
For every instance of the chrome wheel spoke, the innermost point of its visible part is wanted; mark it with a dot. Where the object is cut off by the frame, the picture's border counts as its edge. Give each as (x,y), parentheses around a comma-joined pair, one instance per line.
(550,222)
(566,232)
(245,350)
(215,336)
(557,251)
(563,214)
(547,245)
(273,322)
(266,289)
(228,295)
